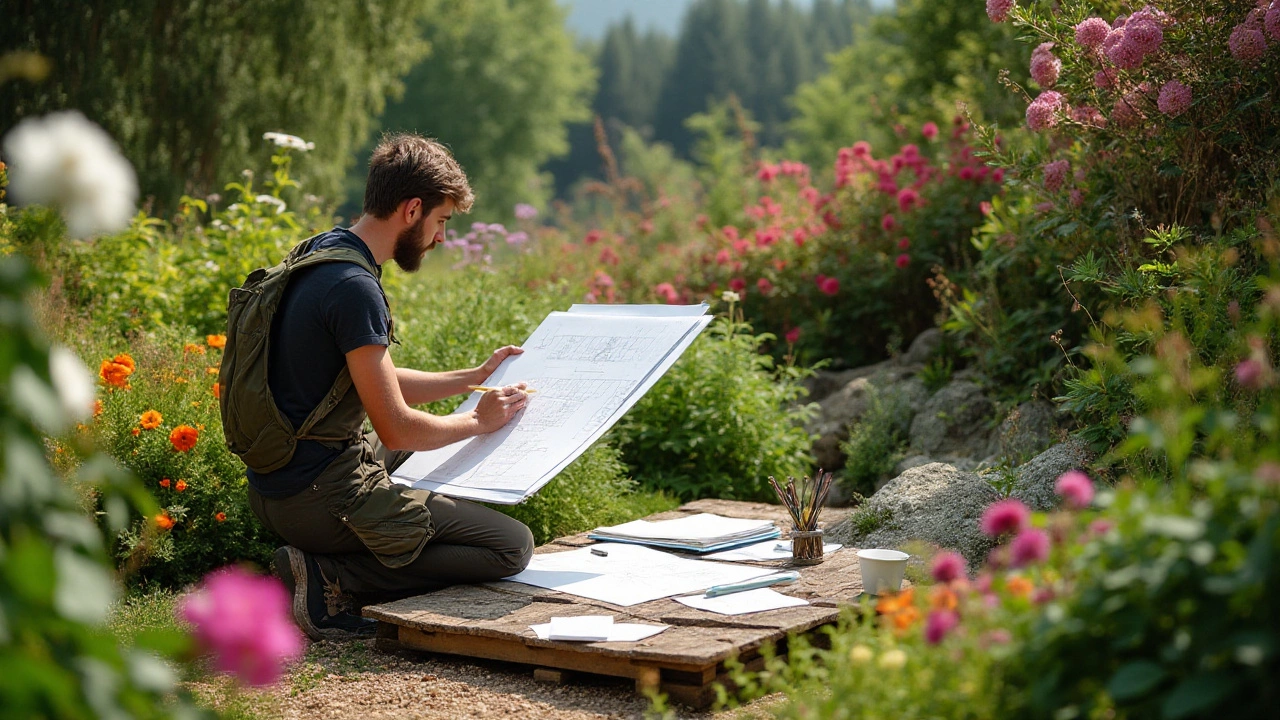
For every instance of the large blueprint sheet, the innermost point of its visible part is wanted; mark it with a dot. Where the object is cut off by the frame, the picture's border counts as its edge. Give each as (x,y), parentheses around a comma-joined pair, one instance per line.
(588,370)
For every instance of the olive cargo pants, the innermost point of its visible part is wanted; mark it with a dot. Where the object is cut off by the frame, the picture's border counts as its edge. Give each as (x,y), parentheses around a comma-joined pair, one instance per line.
(378,541)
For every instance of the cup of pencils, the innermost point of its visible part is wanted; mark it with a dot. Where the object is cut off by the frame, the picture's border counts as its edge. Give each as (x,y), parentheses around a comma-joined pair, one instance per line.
(804,501)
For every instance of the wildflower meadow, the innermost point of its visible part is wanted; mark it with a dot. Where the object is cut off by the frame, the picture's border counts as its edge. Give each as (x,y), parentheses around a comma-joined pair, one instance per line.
(1078,200)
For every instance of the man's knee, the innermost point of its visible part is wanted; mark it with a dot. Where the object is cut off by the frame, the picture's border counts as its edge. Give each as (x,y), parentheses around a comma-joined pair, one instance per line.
(518,551)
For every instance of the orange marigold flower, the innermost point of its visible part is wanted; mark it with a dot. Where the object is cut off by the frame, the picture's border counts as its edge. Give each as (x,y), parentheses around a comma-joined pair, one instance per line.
(193,348)
(217,390)
(906,617)
(136,431)
(183,438)
(97,408)
(211,371)
(163,521)
(126,360)
(943,598)
(113,373)
(220,517)
(216,341)
(1019,586)
(890,604)
(150,420)
(180,486)
(164,482)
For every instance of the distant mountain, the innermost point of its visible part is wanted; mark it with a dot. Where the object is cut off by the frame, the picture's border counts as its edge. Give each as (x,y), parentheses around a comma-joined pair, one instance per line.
(590,18)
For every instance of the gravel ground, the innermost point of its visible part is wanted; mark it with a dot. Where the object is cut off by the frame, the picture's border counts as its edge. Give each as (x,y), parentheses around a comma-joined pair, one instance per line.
(353,681)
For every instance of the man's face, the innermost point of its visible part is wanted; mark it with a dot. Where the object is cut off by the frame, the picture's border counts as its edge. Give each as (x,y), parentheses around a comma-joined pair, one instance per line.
(425,233)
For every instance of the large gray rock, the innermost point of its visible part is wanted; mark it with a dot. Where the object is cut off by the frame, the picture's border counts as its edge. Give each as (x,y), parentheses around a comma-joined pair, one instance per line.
(1028,430)
(935,503)
(923,347)
(953,422)
(1037,477)
(848,405)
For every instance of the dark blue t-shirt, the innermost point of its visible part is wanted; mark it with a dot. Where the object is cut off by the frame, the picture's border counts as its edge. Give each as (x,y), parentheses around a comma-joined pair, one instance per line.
(326,311)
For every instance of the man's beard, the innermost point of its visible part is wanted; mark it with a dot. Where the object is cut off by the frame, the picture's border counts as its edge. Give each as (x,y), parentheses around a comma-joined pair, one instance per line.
(411,244)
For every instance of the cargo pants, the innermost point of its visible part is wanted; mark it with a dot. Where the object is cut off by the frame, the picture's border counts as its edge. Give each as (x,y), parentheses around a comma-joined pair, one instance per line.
(377,541)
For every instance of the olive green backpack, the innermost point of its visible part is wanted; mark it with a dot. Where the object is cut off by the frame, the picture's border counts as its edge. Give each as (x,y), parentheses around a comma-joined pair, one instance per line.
(254,427)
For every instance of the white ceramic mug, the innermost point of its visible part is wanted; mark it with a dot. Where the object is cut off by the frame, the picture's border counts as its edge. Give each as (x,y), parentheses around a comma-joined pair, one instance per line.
(882,570)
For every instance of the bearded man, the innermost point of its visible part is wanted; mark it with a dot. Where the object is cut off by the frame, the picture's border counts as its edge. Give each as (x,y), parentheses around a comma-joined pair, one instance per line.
(354,536)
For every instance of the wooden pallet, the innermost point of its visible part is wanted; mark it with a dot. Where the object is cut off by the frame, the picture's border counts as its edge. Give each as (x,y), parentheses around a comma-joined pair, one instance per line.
(685,661)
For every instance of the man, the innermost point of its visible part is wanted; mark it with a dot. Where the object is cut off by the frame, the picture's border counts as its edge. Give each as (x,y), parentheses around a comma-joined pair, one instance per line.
(352,533)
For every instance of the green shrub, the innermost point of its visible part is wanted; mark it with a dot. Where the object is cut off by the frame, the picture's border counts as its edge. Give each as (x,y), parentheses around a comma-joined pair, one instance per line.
(876,442)
(721,422)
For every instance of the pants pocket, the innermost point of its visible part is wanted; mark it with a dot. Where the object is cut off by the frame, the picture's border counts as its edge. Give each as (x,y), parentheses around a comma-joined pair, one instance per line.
(389,519)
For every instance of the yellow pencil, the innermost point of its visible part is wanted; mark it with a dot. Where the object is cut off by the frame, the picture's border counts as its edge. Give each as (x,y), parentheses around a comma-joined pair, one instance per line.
(486,388)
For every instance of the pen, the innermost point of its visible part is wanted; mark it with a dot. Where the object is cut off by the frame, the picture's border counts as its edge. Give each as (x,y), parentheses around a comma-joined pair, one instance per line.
(487,388)
(784,578)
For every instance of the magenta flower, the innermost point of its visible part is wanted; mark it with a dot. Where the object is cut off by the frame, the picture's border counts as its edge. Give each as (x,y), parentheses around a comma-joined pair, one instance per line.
(1145,34)
(242,619)
(1104,80)
(939,624)
(1055,174)
(829,286)
(907,199)
(764,285)
(1075,488)
(1250,373)
(667,292)
(792,335)
(1247,44)
(947,566)
(1101,526)
(998,10)
(1091,32)
(1029,546)
(1174,98)
(1005,516)
(1045,66)
(888,222)
(904,243)
(1076,197)
(525,211)
(767,172)
(929,131)
(1271,22)
(1125,54)
(902,261)
(1042,112)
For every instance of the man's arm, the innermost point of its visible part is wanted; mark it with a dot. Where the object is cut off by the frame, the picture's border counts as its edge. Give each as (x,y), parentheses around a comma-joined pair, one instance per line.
(417,386)
(400,427)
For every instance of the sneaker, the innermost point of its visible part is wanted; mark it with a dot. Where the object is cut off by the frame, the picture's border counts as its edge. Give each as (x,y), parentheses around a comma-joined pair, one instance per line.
(320,608)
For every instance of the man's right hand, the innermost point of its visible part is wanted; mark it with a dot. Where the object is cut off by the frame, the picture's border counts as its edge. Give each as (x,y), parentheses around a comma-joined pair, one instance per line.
(497,407)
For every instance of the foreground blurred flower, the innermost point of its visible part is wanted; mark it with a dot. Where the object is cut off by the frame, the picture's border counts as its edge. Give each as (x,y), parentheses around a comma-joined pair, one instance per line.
(164,522)
(1075,488)
(285,140)
(667,292)
(730,296)
(242,619)
(217,342)
(183,438)
(947,566)
(1005,516)
(73,383)
(792,335)
(1030,546)
(525,211)
(939,623)
(63,159)
(895,659)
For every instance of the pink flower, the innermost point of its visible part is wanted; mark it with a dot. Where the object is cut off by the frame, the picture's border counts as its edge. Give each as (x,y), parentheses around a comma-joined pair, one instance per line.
(1272,21)
(1045,66)
(829,286)
(904,243)
(966,173)
(907,199)
(1043,207)
(792,335)
(723,256)
(1125,113)
(1104,80)
(764,285)
(1004,516)
(999,636)
(667,292)
(1086,115)
(985,208)
(888,222)
(902,261)
(1174,98)
(243,620)
(737,284)
(939,623)
(1029,546)
(1125,53)
(1145,34)
(799,236)
(1091,32)
(1076,197)
(1041,113)
(947,566)
(1101,526)
(997,176)
(998,10)
(767,172)
(1250,373)
(1075,488)
(1247,44)
(1055,174)
(593,237)
(929,131)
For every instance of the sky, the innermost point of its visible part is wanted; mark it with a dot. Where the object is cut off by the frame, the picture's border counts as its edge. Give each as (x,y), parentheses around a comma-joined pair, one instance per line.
(590,18)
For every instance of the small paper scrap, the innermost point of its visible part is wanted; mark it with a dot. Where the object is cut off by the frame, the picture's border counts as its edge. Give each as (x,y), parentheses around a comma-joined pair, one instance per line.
(741,603)
(618,632)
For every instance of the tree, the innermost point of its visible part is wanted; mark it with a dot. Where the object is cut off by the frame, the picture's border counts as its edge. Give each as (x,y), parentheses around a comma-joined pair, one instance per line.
(188,88)
(500,83)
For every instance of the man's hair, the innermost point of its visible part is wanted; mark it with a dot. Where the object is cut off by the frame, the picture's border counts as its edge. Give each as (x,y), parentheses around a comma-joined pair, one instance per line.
(406,166)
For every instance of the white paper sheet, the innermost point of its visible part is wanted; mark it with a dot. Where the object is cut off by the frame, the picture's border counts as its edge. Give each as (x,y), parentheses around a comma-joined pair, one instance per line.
(619,632)
(588,371)
(700,528)
(630,574)
(581,628)
(641,310)
(748,601)
(767,550)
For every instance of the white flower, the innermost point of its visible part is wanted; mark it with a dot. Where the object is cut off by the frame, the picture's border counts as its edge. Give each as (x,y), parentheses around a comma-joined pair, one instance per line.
(271,200)
(293,142)
(730,296)
(64,159)
(73,382)
(893,660)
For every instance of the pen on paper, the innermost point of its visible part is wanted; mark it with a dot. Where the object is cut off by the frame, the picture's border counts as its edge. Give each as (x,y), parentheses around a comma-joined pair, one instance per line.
(785,578)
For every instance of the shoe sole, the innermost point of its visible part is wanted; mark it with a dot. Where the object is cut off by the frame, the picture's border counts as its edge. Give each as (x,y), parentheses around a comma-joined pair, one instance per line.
(298,568)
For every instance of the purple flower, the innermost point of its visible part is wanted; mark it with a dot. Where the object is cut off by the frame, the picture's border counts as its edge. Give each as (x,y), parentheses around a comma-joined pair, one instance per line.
(1104,80)
(243,620)
(1029,546)
(1125,54)
(525,211)
(998,10)
(939,623)
(1055,174)
(1247,44)
(1045,67)
(1042,112)
(947,566)
(1005,516)
(1250,373)
(1091,32)
(1174,98)
(1145,34)
(1075,488)
(1272,21)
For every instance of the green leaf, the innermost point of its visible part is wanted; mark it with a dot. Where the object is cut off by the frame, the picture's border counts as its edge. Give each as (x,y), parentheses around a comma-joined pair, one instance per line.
(85,589)
(1135,679)
(1196,694)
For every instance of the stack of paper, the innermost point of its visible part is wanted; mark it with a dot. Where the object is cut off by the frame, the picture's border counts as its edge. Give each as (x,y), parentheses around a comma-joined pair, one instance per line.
(704,532)
(579,629)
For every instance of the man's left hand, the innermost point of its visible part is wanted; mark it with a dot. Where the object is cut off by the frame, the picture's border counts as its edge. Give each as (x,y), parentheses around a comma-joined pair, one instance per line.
(491,365)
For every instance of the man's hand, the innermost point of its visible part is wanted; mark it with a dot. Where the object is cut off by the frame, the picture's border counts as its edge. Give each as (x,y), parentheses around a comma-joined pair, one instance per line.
(497,407)
(490,366)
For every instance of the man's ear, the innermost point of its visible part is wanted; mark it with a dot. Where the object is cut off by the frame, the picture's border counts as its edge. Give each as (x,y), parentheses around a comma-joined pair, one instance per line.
(412,209)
